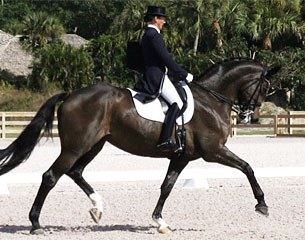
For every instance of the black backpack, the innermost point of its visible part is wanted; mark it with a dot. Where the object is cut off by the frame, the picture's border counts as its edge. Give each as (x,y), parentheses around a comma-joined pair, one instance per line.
(134,56)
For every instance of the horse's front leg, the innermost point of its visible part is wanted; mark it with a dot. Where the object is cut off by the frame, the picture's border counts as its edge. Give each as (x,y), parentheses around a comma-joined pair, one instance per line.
(173,172)
(224,156)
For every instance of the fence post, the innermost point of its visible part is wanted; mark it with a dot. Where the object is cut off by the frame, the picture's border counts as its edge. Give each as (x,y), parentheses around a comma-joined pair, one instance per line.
(290,122)
(275,124)
(3,125)
(233,121)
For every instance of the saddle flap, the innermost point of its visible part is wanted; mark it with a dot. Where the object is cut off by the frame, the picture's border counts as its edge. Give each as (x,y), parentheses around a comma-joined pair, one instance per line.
(153,110)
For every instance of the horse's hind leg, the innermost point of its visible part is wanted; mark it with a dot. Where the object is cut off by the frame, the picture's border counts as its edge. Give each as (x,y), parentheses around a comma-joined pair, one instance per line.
(97,210)
(49,179)
(175,168)
(76,174)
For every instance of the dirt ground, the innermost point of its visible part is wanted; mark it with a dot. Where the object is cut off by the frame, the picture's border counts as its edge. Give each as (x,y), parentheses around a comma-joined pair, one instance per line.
(223,211)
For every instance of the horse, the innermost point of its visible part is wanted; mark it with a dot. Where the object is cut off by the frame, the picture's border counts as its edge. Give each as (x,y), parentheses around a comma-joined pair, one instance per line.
(91,116)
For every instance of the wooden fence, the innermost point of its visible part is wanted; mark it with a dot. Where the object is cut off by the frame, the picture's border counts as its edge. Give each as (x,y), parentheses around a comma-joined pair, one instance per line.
(290,124)
(12,123)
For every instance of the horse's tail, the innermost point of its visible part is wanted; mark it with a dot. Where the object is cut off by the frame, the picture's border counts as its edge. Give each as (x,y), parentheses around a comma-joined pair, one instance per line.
(20,149)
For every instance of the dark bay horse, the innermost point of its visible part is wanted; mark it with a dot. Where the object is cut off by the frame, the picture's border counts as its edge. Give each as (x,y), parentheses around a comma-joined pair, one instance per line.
(90,116)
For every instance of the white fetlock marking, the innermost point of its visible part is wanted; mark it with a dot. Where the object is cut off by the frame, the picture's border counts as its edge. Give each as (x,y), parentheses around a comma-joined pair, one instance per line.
(96,200)
(162,224)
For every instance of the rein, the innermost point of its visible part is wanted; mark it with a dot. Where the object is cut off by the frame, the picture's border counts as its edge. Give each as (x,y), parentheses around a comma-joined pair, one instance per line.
(238,108)
(235,107)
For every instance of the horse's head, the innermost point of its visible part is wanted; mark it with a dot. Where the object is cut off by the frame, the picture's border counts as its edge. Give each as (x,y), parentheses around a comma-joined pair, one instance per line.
(252,93)
(239,82)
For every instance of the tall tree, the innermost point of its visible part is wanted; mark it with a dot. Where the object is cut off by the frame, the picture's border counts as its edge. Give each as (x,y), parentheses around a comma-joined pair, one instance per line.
(40,28)
(61,65)
(265,20)
(130,21)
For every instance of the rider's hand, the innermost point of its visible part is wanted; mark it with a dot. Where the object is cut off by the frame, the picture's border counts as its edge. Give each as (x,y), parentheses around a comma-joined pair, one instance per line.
(189,77)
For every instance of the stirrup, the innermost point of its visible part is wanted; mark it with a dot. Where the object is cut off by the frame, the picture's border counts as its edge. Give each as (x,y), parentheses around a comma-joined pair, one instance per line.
(169,146)
(179,149)
(180,139)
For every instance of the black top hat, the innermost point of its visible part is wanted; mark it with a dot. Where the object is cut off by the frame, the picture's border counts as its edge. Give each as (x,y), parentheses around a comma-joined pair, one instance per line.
(155,11)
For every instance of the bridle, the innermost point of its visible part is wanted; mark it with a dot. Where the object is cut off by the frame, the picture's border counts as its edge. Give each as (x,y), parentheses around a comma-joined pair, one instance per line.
(243,109)
(247,108)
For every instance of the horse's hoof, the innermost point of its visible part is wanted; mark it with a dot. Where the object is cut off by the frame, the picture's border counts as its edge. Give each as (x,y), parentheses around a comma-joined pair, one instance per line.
(164,230)
(96,214)
(262,210)
(38,231)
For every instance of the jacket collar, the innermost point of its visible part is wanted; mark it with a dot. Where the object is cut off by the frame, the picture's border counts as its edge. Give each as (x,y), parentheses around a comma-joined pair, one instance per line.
(153,26)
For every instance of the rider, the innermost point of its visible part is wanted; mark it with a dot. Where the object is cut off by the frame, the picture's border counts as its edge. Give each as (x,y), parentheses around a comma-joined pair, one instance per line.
(158,64)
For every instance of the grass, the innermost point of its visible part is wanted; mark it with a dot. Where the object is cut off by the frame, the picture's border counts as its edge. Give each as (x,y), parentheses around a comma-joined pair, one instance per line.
(254,132)
(13,99)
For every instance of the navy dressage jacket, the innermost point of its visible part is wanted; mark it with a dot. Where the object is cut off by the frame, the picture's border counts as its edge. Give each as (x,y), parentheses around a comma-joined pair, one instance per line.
(156,59)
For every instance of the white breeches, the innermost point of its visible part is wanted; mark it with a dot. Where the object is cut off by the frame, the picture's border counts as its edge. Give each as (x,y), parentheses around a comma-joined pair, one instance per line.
(169,93)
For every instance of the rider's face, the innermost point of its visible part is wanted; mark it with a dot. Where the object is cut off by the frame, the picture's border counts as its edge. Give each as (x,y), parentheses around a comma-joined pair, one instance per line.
(160,21)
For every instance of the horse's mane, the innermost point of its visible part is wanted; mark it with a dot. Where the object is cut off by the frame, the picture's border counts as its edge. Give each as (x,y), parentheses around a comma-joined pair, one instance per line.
(215,67)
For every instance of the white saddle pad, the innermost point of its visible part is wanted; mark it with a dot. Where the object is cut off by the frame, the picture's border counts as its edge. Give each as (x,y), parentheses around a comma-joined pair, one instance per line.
(153,110)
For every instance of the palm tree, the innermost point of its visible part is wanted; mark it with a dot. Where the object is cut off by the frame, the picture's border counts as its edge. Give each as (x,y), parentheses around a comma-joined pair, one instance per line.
(186,24)
(41,28)
(201,22)
(62,65)
(221,15)
(130,20)
(199,8)
(267,20)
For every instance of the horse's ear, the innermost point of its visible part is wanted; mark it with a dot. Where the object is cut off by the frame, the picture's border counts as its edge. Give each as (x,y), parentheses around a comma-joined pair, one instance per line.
(271,71)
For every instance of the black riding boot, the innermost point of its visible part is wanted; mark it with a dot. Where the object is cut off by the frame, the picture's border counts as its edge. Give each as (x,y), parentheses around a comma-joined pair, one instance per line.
(165,143)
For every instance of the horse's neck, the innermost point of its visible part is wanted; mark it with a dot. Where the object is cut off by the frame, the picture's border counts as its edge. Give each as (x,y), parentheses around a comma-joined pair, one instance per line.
(207,102)
(228,89)
(227,81)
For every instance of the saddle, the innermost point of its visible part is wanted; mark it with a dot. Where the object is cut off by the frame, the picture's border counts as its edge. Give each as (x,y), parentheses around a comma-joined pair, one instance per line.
(155,109)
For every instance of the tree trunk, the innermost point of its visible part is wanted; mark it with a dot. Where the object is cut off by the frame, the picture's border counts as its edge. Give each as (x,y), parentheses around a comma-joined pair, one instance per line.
(267,43)
(196,43)
(217,30)
(301,37)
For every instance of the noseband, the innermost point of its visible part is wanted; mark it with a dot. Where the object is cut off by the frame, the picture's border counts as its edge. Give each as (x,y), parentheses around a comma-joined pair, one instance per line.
(243,109)
(247,108)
